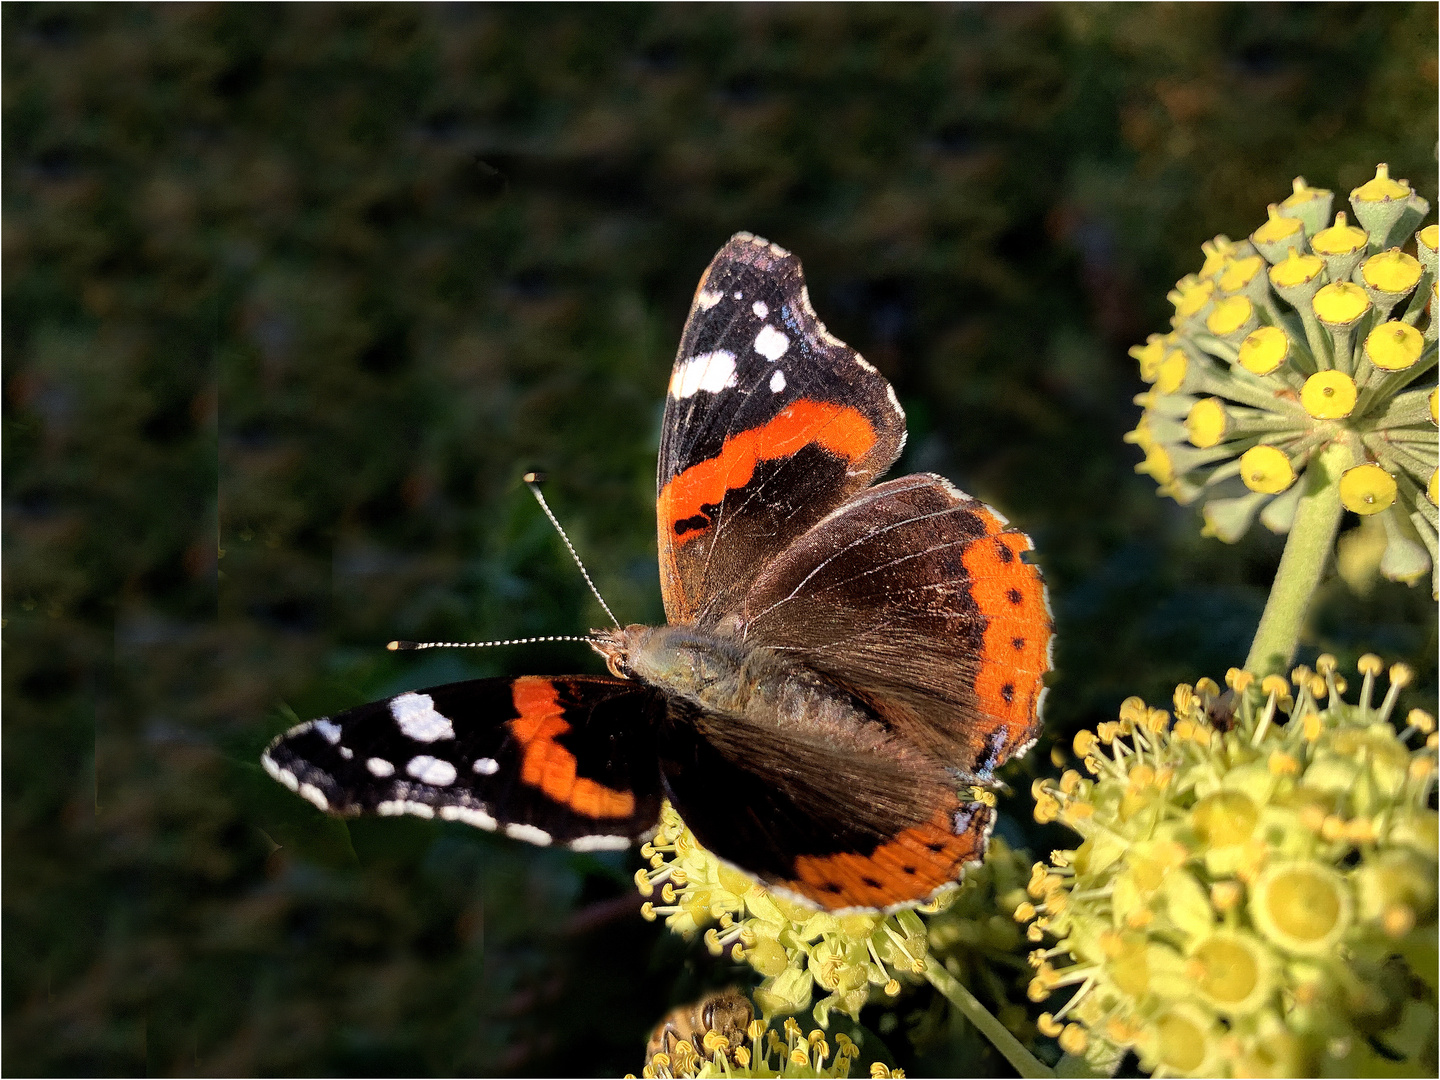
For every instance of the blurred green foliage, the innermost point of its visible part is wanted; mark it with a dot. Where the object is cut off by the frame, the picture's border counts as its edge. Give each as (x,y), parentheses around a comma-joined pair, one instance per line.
(293,294)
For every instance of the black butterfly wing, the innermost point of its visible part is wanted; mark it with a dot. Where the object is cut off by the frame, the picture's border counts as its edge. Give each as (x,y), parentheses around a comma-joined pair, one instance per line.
(770,423)
(838,830)
(916,599)
(546,760)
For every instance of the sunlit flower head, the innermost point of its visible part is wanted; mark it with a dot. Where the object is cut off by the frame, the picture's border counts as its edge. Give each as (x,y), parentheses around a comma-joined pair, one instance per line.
(1308,334)
(838,962)
(1254,890)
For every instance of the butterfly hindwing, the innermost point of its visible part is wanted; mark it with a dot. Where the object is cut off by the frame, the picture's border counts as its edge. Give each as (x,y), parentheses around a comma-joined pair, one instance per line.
(548,760)
(770,422)
(839,830)
(917,598)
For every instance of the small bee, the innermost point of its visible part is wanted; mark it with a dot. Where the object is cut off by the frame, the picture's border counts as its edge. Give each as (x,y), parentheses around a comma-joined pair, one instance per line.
(726,1012)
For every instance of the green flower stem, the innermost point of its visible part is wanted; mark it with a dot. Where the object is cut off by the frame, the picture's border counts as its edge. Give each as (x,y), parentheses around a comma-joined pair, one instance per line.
(1021,1059)
(1312,539)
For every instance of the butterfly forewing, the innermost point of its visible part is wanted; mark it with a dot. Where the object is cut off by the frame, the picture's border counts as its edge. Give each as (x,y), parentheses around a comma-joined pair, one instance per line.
(563,760)
(770,422)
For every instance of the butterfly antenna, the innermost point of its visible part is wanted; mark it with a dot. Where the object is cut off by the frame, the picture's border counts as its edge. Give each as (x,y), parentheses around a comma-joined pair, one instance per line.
(532,481)
(411,646)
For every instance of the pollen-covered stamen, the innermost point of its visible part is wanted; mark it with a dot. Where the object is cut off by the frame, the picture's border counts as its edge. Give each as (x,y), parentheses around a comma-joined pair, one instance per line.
(1401,676)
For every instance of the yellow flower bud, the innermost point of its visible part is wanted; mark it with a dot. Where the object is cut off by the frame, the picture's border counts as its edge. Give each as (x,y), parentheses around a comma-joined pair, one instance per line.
(1367,489)
(1329,395)
(1391,272)
(1394,346)
(1381,187)
(1302,195)
(1170,376)
(1296,270)
(1264,350)
(1266,469)
(1207,422)
(1340,239)
(1340,303)
(1190,295)
(1149,355)
(1241,272)
(1276,228)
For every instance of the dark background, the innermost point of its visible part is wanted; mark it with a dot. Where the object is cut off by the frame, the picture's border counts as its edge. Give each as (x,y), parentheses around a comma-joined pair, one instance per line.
(293,295)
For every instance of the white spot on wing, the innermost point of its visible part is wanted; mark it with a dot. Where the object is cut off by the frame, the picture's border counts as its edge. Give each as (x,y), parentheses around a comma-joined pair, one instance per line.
(416,715)
(378,766)
(431,770)
(346,753)
(396,807)
(529,833)
(760,308)
(600,843)
(487,766)
(328,730)
(777,381)
(314,794)
(738,295)
(283,775)
(470,816)
(707,298)
(771,343)
(712,371)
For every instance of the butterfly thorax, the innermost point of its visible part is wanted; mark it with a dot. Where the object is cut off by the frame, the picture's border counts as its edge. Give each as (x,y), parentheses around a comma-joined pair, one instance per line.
(724,676)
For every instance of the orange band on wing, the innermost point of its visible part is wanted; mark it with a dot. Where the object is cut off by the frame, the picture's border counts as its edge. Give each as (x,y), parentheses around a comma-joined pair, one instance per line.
(549,766)
(839,429)
(1011,597)
(910,867)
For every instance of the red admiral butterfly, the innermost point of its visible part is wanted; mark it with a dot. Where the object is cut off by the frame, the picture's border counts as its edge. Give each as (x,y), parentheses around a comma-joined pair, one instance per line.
(840,658)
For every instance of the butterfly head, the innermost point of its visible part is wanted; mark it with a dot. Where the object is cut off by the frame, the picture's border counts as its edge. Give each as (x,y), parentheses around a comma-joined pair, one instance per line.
(618,645)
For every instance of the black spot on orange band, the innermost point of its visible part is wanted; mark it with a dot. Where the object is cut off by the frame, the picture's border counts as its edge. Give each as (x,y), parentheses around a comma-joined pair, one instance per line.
(1014,657)
(549,766)
(689,502)
(910,867)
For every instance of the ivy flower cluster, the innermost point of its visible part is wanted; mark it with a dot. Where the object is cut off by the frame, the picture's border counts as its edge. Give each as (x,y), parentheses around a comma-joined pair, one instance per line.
(844,960)
(795,947)
(1255,890)
(789,1052)
(1307,334)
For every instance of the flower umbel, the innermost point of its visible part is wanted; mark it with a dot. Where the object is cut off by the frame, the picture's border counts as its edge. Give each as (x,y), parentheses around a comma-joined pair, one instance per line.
(798,949)
(765,1052)
(1304,336)
(1254,893)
